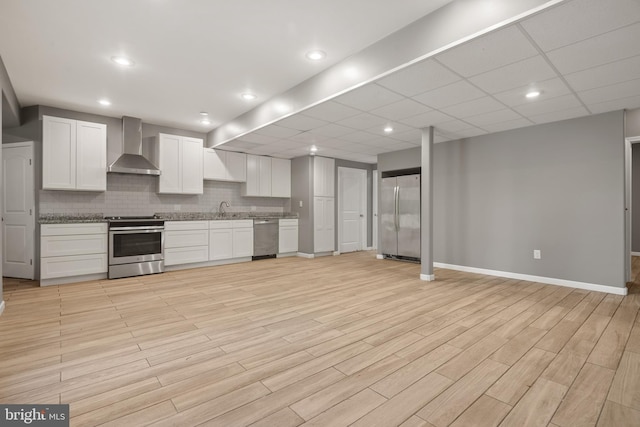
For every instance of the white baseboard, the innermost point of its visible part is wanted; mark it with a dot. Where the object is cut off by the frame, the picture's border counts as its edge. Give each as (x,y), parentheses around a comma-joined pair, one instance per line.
(538,279)
(379,256)
(304,255)
(2,305)
(635,253)
(336,253)
(427,277)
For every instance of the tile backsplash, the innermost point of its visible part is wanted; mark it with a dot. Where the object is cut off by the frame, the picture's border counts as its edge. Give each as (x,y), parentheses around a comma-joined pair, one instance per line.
(137,195)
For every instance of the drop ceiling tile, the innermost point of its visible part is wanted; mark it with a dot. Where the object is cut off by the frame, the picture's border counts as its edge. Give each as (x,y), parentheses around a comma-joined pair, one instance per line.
(308,137)
(439,138)
(335,143)
(578,20)
(413,136)
(332,130)
(359,136)
(474,108)
(363,121)
(542,106)
(617,104)
(401,109)
(256,138)
(468,133)
(452,94)
(301,122)
(556,116)
(276,131)
(332,152)
(432,118)
(604,75)
(453,126)
(419,78)
(516,75)
(508,125)
(331,111)
(493,117)
(287,144)
(611,92)
(600,50)
(368,97)
(397,127)
(549,88)
(494,50)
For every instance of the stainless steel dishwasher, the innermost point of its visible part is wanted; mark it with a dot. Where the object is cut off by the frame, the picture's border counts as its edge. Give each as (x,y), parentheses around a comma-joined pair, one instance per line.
(265,238)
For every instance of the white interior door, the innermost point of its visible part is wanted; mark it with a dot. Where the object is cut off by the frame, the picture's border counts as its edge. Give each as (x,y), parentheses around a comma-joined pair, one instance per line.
(352,209)
(17,210)
(374,207)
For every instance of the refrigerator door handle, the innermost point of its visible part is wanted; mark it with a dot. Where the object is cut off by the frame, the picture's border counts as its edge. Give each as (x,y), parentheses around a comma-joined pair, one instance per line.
(396,215)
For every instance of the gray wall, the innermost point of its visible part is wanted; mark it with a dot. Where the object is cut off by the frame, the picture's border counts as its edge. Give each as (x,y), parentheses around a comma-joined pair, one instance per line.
(635,198)
(556,187)
(9,114)
(632,123)
(302,191)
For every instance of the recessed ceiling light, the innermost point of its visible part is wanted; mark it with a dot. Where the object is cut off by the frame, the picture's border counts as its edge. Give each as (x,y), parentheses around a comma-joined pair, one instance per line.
(388,129)
(533,94)
(315,55)
(104,102)
(205,121)
(247,96)
(204,113)
(122,60)
(313,149)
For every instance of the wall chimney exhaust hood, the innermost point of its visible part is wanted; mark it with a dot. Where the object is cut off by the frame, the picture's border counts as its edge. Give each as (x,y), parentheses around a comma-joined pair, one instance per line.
(132,160)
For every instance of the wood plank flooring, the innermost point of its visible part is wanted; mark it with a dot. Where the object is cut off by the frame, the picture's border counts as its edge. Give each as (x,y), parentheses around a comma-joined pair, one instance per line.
(333,341)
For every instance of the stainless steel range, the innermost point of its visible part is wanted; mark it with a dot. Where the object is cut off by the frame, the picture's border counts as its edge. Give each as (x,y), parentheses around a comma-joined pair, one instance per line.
(136,246)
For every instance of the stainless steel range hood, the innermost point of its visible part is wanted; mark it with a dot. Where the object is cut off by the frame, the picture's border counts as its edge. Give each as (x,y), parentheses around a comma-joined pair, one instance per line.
(132,160)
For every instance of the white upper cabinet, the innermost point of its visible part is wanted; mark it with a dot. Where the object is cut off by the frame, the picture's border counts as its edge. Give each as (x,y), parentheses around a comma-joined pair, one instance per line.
(323,176)
(280,177)
(267,177)
(74,155)
(181,165)
(224,165)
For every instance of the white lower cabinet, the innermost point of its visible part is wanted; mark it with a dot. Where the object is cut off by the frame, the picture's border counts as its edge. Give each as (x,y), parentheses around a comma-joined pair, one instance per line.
(242,238)
(220,240)
(288,236)
(185,242)
(323,219)
(68,250)
(230,239)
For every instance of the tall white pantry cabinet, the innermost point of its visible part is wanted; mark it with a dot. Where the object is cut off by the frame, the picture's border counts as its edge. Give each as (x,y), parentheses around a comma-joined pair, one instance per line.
(323,204)
(74,155)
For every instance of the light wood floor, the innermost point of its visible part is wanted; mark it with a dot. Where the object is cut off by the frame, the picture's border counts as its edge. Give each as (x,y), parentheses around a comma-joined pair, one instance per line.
(328,342)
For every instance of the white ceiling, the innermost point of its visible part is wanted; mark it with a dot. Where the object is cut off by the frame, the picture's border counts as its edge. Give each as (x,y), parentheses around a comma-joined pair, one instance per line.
(190,55)
(583,55)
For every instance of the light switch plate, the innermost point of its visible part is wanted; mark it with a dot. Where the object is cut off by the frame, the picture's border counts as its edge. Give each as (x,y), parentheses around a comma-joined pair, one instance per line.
(536,254)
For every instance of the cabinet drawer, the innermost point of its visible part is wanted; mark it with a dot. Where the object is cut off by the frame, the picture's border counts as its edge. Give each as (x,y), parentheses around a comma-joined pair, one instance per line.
(71,229)
(288,222)
(175,256)
(76,265)
(185,225)
(55,246)
(219,224)
(186,238)
(242,223)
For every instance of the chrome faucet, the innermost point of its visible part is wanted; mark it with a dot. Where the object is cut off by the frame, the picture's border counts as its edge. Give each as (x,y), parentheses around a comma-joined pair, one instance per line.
(221,208)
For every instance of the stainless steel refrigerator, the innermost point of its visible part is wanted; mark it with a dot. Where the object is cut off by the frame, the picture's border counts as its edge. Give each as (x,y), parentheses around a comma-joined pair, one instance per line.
(400,217)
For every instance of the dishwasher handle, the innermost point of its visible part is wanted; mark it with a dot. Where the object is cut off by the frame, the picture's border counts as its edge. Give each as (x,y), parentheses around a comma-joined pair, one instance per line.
(264,221)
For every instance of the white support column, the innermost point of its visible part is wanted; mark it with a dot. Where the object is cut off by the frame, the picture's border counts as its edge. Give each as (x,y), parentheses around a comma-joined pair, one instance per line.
(426,203)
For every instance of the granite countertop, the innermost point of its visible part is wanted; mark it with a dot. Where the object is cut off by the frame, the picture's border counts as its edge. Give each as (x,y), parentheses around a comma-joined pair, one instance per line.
(167,216)
(213,216)
(70,218)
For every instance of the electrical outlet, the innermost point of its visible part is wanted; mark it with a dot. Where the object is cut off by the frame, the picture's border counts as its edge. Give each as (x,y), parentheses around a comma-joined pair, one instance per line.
(536,254)
(300,203)
(176,208)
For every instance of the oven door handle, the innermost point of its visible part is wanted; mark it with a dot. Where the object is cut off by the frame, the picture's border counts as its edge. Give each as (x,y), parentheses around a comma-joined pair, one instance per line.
(131,230)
